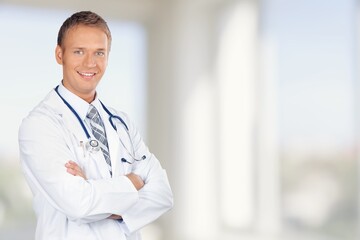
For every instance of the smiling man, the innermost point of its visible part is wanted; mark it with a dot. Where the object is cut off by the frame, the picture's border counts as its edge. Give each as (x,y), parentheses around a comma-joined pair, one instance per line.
(91,178)
(83,51)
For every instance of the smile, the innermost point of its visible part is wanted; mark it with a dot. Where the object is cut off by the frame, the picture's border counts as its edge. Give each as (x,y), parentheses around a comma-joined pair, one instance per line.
(85,74)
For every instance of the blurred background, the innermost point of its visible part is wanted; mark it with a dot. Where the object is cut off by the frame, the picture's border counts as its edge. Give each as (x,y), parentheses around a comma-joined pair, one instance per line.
(251,106)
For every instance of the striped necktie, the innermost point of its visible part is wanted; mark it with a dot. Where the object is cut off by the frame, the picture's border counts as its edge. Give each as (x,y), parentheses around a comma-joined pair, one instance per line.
(98,130)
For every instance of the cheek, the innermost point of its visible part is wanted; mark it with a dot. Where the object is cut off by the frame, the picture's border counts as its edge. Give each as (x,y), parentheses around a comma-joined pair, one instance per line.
(102,64)
(71,63)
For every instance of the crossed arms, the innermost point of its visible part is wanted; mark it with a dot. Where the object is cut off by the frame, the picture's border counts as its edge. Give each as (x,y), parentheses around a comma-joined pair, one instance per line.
(75,170)
(139,197)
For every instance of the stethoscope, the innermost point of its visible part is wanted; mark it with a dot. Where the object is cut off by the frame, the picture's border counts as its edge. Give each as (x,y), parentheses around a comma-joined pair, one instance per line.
(93,145)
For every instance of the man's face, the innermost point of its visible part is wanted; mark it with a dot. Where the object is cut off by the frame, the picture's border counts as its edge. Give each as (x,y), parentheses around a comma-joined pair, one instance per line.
(84,56)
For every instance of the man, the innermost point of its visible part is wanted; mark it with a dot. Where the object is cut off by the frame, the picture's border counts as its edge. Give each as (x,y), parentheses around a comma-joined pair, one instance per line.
(91,178)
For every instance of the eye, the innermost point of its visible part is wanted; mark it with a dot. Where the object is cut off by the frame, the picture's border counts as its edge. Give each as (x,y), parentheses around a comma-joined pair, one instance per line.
(100,54)
(78,52)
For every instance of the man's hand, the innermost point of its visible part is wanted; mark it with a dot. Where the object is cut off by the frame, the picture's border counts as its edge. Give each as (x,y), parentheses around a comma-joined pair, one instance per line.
(136,180)
(74,169)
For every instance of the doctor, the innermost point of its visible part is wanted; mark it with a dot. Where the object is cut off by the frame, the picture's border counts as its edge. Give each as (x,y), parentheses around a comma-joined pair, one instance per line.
(90,172)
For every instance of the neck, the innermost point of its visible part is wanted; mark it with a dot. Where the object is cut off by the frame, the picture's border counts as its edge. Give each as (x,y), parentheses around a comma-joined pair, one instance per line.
(89,99)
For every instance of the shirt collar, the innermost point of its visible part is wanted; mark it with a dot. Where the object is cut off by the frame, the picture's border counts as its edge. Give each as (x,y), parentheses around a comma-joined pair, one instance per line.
(80,106)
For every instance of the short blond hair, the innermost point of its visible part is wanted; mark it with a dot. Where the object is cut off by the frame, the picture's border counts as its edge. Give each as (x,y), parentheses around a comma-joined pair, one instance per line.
(86,18)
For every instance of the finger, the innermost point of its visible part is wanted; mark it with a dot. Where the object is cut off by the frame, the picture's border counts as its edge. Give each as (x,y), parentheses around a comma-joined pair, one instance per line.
(70,164)
(72,168)
(73,164)
(71,171)
(75,172)
(78,172)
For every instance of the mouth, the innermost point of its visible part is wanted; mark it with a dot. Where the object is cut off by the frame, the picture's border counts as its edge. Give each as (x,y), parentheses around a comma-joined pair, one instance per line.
(87,75)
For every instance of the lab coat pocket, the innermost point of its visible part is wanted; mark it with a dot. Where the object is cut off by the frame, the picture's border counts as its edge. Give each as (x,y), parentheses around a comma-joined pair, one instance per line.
(79,151)
(88,161)
(83,159)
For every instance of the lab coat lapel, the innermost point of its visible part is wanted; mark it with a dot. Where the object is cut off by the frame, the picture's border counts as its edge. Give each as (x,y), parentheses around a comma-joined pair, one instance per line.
(73,126)
(125,142)
(69,120)
(116,140)
(116,149)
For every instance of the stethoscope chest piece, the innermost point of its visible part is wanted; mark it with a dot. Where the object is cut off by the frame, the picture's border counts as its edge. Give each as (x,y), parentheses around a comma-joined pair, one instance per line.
(92,146)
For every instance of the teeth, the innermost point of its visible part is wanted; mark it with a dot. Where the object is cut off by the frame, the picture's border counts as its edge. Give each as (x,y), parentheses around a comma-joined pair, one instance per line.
(88,74)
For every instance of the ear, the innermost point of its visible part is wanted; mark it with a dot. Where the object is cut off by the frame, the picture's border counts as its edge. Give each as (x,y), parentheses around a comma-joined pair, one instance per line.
(59,55)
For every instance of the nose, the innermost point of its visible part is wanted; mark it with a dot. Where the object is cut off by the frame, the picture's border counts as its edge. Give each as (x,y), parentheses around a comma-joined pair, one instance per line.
(89,61)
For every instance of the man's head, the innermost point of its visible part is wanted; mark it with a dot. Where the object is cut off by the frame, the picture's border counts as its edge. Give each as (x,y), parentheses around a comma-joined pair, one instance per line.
(83,46)
(86,18)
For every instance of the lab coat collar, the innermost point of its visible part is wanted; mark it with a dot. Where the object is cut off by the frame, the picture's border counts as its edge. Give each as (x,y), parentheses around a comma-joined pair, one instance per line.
(79,105)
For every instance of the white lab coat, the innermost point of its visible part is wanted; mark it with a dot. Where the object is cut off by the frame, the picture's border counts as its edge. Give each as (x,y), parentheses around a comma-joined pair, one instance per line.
(69,207)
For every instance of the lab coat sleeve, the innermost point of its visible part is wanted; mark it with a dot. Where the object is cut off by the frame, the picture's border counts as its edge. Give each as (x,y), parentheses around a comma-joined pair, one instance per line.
(155,198)
(44,151)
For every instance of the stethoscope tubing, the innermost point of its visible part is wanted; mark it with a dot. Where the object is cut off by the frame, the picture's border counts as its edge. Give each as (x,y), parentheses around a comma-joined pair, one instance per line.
(111,116)
(74,112)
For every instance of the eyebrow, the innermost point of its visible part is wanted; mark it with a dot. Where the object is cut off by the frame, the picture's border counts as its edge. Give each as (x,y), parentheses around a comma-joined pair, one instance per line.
(82,48)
